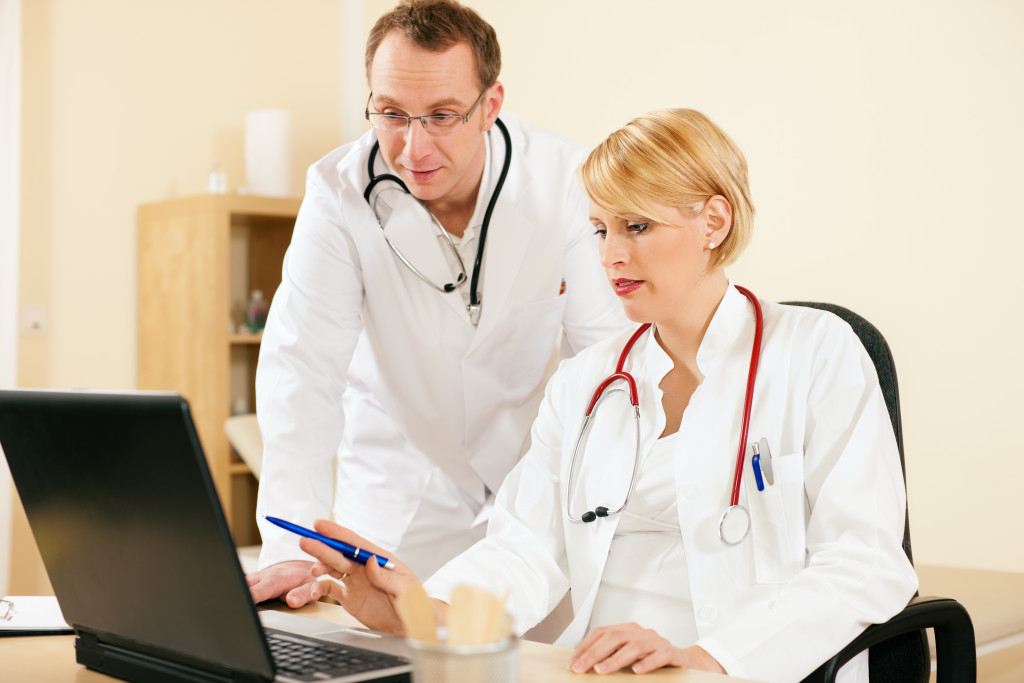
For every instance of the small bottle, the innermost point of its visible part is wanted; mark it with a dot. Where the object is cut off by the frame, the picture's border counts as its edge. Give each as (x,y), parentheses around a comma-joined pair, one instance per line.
(218,181)
(256,312)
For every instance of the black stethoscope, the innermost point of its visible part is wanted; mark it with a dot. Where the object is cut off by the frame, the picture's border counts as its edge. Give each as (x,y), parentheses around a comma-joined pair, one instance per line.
(474,295)
(735,521)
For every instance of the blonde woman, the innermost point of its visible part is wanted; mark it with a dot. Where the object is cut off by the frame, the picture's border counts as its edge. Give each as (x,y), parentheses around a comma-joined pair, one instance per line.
(677,549)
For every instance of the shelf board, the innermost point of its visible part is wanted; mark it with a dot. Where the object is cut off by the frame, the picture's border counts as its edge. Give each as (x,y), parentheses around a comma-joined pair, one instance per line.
(246,338)
(239,468)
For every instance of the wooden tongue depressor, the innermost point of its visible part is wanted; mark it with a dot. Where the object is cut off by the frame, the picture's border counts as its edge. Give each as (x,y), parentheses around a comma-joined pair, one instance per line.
(417,614)
(475,617)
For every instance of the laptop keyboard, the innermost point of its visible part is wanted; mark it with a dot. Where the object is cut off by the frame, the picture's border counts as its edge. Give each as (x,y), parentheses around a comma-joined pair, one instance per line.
(321,660)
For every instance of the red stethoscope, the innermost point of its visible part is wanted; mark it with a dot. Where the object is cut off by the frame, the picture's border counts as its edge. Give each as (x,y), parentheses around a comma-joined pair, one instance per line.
(735,521)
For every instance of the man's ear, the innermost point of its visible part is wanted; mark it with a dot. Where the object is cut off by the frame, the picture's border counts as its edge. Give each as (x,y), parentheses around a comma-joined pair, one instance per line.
(492,104)
(717,220)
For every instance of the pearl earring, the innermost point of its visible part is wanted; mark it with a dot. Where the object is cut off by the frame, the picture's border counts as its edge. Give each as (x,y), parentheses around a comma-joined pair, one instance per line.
(711,245)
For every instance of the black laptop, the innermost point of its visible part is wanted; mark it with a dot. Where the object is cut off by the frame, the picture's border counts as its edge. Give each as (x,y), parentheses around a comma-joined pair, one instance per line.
(123,508)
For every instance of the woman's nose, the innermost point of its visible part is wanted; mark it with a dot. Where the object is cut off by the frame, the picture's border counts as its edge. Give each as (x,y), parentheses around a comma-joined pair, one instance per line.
(612,249)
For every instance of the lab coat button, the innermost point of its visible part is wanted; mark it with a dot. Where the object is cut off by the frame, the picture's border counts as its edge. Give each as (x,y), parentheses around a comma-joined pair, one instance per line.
(707,614)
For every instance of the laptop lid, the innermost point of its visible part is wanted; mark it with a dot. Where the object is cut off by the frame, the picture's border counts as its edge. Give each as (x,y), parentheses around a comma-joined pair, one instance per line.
(121,503)
(129,526)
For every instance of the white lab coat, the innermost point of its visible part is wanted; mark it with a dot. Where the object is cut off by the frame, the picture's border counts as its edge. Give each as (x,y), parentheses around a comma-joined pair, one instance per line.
(427,394)
(823,558)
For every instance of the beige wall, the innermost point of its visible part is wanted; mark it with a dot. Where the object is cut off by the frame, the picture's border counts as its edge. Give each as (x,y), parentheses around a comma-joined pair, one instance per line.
(127,102)
(884,141)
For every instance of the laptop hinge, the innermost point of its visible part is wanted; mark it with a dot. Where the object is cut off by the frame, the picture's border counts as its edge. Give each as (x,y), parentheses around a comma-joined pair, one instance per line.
(141,668)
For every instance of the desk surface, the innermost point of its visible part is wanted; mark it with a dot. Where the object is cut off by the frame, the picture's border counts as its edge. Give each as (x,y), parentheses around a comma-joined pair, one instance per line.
(52,659)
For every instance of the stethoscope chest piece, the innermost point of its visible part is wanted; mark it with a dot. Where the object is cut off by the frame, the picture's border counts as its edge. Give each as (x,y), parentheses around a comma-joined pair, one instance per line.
(734,525)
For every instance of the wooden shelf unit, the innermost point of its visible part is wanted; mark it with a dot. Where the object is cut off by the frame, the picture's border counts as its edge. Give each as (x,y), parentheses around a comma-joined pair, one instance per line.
(198,260)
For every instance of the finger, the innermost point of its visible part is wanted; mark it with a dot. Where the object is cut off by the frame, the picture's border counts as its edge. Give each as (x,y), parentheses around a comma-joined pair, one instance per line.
(391,581)
(260,593)
(329,528)
(299,596)
(596,647)
(328,556)
(658,659)
(624,656)
(601,644)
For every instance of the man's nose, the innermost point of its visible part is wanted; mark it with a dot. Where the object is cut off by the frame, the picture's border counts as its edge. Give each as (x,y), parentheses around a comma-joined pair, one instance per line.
(418,142)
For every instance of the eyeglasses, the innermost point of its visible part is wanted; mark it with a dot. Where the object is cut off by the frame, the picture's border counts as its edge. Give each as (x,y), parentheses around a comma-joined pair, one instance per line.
(436,124)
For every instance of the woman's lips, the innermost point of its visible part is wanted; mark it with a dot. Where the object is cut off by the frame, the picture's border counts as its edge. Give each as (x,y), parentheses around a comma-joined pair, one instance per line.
(623,287)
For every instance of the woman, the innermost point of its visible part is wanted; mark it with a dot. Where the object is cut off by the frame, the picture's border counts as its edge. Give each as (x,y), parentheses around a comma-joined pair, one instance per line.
(803,560)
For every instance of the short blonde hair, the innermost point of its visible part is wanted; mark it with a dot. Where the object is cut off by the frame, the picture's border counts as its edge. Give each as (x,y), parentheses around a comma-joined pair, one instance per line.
(676,157)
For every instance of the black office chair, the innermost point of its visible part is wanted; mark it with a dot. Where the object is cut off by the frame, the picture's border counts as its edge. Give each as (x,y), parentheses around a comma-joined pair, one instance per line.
(898,649)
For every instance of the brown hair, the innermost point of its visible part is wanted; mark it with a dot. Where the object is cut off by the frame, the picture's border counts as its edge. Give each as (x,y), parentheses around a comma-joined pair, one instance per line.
(437,25)
(676,157)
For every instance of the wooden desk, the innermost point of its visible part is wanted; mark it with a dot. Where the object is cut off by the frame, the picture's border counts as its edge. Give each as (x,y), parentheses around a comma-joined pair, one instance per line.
(52,659)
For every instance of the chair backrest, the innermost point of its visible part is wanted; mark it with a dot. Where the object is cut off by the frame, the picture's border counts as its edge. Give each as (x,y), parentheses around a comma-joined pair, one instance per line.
(905,658)
(885,366)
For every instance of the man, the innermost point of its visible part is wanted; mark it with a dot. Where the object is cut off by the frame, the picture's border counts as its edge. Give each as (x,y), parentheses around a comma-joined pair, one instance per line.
(409,356)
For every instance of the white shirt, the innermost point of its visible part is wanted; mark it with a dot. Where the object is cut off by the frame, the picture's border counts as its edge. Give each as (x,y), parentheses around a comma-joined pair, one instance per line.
(363,362)
(824,556)
(644,579)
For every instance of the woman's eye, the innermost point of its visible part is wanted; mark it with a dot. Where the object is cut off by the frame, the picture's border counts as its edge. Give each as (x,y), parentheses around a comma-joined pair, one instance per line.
(601,232)
(638,227)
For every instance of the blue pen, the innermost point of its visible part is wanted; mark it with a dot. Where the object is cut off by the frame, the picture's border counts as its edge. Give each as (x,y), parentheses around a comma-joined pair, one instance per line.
(350,551)
(755,462)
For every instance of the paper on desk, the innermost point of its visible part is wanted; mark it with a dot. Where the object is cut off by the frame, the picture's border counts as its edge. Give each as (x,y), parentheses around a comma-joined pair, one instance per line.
(31,615)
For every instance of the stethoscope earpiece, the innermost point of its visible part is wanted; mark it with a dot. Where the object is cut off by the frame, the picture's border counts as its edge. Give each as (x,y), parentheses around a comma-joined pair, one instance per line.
(592,515)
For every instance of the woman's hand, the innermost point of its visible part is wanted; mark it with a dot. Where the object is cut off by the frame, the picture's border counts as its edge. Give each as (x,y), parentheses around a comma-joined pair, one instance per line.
(607,649)
(368,591)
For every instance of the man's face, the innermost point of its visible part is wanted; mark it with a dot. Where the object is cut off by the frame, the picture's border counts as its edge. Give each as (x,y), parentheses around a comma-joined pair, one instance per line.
(441,170)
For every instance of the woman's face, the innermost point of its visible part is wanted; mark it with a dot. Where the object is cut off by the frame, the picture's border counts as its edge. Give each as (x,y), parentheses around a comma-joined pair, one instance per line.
(653,267)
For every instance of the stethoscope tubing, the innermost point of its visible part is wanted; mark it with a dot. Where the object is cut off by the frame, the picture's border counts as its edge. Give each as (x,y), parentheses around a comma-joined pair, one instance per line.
(474,296)
(621,375)
(748,401)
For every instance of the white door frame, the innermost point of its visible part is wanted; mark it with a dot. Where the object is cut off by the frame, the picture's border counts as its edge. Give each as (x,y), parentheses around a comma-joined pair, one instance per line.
(10,217)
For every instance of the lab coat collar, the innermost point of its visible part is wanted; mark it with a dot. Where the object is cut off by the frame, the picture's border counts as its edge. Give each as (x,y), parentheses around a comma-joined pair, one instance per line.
(650,359)
(733,312)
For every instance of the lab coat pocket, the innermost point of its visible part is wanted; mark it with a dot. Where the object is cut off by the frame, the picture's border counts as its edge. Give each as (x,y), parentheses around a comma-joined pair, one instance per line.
(532,342)
(777,524)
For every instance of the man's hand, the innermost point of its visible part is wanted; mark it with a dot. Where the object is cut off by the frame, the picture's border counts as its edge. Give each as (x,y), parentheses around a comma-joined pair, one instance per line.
(368,591)
(607,649)
(288,581)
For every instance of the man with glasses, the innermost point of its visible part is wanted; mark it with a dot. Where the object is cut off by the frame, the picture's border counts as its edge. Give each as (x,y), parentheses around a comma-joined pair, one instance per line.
(433,264)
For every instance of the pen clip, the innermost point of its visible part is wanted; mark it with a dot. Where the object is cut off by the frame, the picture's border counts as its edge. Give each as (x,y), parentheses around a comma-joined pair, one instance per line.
(767,466)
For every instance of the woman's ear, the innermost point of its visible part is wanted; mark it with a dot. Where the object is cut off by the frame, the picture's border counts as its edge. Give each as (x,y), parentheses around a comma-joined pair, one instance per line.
(718,220)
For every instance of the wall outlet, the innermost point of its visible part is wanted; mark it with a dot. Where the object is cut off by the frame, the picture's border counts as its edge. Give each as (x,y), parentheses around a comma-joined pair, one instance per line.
(35,320)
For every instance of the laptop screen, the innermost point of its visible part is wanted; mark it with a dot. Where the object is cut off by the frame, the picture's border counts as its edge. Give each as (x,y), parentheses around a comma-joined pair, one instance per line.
(129,526)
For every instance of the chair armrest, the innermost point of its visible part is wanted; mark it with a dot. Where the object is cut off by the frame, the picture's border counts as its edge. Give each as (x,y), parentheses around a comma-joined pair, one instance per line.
(956,657)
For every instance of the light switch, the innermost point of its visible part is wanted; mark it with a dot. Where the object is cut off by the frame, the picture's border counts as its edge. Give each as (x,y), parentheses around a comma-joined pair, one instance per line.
(35,320)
